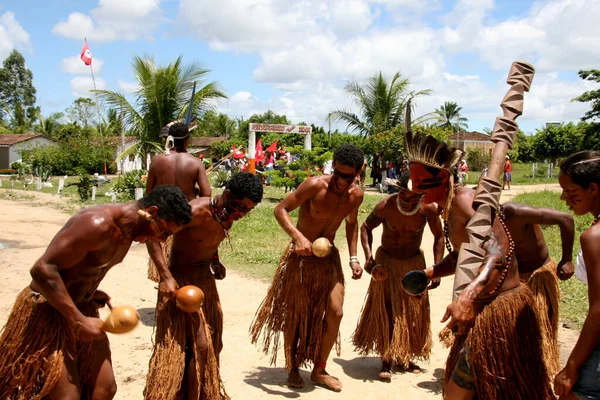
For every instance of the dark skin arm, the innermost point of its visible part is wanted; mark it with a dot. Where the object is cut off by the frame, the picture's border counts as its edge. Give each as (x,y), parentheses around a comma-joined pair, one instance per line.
(352,240)
(219,270)
(69,247)
(366,234)
(590,332)
(202,181)
(305,191)
(547,216)
(167,283)
(461,311)
(435,225)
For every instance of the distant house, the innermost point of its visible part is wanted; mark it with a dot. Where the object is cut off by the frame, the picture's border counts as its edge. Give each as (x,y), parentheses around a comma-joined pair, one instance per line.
(201,145)
(130,162)
(12,144)
(472,140)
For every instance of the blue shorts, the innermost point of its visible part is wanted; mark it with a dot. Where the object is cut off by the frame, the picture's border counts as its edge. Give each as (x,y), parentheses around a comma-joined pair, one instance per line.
(588,385)
(507,176)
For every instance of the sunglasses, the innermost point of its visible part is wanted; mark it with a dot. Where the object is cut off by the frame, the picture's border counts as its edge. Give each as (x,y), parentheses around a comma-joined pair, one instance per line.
(346,177)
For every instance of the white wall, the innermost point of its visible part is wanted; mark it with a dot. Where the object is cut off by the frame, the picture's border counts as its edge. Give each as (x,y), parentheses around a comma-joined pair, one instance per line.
(14,153)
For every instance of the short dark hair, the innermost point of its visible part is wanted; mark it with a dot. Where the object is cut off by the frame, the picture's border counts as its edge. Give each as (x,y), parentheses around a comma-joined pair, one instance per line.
(583,168)
(244,184)
(171,202)
(180,132)
(349,154)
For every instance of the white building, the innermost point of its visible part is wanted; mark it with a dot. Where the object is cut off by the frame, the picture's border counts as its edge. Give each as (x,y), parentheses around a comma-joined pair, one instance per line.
(11,146)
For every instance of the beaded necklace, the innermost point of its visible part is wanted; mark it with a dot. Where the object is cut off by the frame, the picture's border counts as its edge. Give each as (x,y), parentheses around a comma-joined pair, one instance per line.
(509,257)
(214,211)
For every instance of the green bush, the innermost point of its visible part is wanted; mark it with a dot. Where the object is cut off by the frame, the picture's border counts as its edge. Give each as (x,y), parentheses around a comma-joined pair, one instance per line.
(127,183)
(66,157)
(477,158)
(221,178)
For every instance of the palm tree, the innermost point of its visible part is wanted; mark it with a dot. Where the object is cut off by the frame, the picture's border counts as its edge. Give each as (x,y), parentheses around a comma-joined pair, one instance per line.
(162,96)
(381,103)
(448,116)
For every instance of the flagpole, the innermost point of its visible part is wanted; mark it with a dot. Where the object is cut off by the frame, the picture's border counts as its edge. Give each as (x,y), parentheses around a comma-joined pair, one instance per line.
(99,115)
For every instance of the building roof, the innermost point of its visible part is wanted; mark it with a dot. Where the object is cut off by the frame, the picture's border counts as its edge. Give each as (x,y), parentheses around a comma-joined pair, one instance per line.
(205,141)
(116,140)
(470,137)
(8,139)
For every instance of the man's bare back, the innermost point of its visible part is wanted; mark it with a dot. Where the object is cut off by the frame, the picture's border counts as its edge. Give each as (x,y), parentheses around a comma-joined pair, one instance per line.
(180,169)
(523,223)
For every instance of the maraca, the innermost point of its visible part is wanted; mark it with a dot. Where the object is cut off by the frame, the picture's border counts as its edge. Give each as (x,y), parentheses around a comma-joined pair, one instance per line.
(415,282)
(380,273)
(121,320)
(321,247)
(189,298)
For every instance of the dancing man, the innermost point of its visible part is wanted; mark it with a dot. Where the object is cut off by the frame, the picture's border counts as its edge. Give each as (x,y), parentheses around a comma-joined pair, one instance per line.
(185,361)
(52,344)
(388,310)
(176,167)
(538,269)
(306,297)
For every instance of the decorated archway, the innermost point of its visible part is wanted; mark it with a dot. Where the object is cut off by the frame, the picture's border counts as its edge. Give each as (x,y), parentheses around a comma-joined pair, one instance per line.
(257,127)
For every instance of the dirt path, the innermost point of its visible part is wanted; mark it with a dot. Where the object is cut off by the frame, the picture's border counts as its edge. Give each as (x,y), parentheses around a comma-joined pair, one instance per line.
(246,371)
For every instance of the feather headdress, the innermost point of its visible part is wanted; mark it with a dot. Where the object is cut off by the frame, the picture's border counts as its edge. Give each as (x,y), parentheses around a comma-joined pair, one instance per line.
(427,150)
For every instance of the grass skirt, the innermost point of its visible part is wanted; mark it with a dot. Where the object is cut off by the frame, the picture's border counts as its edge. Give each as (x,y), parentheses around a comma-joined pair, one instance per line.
(544,286)
(407,335)
(166,250)
(506,355)
(172,348)
(34,342)
(295,305)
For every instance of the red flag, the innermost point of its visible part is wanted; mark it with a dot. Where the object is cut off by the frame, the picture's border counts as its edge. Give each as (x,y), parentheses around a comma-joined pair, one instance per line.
(260,154)
(86,54)
(273,147)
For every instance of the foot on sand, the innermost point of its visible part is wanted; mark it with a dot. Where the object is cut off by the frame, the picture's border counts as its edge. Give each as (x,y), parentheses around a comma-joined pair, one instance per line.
(295,380)
(412,367)
(386,370)
(321,376)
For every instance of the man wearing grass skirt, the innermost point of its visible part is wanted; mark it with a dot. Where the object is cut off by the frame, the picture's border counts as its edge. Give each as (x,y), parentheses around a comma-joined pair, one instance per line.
(393,324)
(305,300)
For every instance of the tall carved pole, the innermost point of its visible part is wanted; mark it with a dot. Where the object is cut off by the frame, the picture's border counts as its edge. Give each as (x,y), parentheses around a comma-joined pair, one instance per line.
(487,195)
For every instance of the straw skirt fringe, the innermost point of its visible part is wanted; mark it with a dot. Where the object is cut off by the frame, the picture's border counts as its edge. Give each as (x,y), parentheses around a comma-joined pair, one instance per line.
(295,306)
(505,352)
(393,324)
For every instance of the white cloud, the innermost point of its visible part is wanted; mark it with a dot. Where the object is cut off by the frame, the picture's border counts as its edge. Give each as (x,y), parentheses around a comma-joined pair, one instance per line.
(12,35)
(128,87)
(309,50)
(81,86)
(113,20)
(74,65)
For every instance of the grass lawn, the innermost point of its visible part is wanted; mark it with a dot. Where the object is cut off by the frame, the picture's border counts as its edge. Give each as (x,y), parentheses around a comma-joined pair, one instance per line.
(522,175)
(574,294)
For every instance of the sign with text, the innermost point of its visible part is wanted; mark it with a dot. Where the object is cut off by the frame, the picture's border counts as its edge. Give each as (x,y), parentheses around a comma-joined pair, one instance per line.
(256,127)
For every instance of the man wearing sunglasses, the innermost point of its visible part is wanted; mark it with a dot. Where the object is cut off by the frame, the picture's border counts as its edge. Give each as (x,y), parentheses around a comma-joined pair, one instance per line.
(196,339)
(306,297)
(404,217)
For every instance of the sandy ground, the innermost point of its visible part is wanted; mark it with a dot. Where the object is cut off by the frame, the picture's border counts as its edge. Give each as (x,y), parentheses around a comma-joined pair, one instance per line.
(29,225)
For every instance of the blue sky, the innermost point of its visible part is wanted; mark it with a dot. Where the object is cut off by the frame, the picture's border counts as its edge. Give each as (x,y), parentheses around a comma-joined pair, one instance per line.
(294,57)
